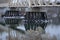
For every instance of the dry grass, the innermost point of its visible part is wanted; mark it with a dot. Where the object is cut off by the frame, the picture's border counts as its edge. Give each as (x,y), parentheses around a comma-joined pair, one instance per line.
(35,35)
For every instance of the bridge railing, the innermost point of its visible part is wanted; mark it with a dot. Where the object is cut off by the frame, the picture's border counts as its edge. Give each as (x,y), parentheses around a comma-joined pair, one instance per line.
(32,3)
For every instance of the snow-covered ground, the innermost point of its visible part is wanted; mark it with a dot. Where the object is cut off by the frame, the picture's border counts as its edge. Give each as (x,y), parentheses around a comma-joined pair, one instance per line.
(53,30)
(3,36)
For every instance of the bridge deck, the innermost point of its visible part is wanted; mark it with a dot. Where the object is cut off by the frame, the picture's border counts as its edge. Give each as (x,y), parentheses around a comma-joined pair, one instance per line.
(8,5)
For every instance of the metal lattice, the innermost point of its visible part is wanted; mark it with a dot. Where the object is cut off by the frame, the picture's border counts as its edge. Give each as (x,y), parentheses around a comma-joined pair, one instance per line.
(35,19)
(11,17)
